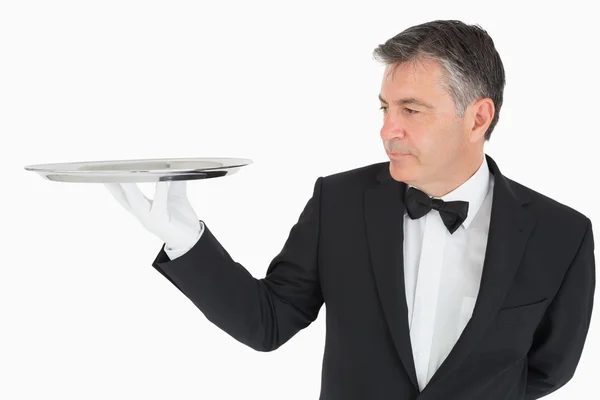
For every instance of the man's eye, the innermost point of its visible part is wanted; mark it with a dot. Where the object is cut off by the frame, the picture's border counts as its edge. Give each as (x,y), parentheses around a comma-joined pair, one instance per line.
(408,110)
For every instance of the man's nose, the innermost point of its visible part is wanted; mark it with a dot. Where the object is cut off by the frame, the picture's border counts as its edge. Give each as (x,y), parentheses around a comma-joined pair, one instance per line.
(392,128)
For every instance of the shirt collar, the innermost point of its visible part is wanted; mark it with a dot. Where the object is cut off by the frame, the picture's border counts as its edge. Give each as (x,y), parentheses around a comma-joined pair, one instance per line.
(473,190)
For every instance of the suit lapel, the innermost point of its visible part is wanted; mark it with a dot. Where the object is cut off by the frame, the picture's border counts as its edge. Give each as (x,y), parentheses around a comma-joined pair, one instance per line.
(384,212)
(510,227)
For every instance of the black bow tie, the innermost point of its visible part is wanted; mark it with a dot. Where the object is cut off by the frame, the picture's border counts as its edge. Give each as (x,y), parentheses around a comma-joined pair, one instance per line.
(453,213)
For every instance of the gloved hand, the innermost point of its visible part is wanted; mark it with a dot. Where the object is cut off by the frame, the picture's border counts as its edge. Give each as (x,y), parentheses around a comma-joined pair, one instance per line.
(169,215)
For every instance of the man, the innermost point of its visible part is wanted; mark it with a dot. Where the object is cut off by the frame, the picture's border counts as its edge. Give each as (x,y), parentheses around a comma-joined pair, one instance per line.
(443,278)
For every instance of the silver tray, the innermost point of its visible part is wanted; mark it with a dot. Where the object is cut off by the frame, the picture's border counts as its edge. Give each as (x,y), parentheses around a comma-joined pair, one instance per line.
(139,171)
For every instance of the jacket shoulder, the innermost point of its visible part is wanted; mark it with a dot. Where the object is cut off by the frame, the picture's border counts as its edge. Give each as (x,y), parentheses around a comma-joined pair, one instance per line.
(356,177)
(548,207)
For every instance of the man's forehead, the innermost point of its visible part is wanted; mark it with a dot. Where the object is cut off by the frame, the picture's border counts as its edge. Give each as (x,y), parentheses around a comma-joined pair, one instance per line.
(406,81)
(407,100)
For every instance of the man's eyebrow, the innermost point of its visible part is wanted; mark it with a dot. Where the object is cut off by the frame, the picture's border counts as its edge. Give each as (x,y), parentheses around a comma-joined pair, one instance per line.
(408,100)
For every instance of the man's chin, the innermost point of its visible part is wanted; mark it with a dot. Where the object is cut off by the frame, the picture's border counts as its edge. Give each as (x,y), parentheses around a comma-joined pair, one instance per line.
(399,173)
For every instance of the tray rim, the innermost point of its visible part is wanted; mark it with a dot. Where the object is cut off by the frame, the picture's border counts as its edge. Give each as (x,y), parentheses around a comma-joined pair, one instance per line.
(47,167)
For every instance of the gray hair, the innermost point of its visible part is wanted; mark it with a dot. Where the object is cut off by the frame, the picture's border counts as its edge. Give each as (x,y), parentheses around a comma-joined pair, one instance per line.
(472,66)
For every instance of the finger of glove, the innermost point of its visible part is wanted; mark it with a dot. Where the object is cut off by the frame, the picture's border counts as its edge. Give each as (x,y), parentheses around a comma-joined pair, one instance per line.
(160,199)
(140,204)
(178,196)
(117,192)
(177,189)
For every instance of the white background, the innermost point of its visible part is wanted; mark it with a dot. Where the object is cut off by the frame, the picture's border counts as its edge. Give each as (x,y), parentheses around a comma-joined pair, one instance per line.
(290,85)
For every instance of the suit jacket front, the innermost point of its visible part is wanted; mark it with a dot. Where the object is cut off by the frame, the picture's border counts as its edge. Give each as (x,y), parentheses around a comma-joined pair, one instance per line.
(524,339)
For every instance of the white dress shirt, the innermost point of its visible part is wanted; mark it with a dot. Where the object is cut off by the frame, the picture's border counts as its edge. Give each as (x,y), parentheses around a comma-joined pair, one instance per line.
(442,273)
(174,253)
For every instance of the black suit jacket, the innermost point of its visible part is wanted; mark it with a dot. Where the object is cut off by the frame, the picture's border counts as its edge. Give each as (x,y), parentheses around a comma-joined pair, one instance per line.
(527,330)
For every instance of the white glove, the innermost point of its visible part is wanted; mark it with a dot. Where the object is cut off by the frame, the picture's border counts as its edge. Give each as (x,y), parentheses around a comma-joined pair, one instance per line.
(169,215)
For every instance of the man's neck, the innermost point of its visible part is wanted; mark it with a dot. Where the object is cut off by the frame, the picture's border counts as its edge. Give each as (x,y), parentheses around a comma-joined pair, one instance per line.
(442,188)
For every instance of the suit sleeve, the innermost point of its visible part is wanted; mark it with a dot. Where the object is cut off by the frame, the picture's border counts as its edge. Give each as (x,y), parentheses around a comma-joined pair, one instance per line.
(260,313)
(560,337)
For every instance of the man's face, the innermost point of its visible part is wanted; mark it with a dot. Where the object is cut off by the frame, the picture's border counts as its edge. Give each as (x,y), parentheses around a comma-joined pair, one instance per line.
(431,136)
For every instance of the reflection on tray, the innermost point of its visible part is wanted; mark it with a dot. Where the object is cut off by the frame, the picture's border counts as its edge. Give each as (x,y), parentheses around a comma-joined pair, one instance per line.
(155,166)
